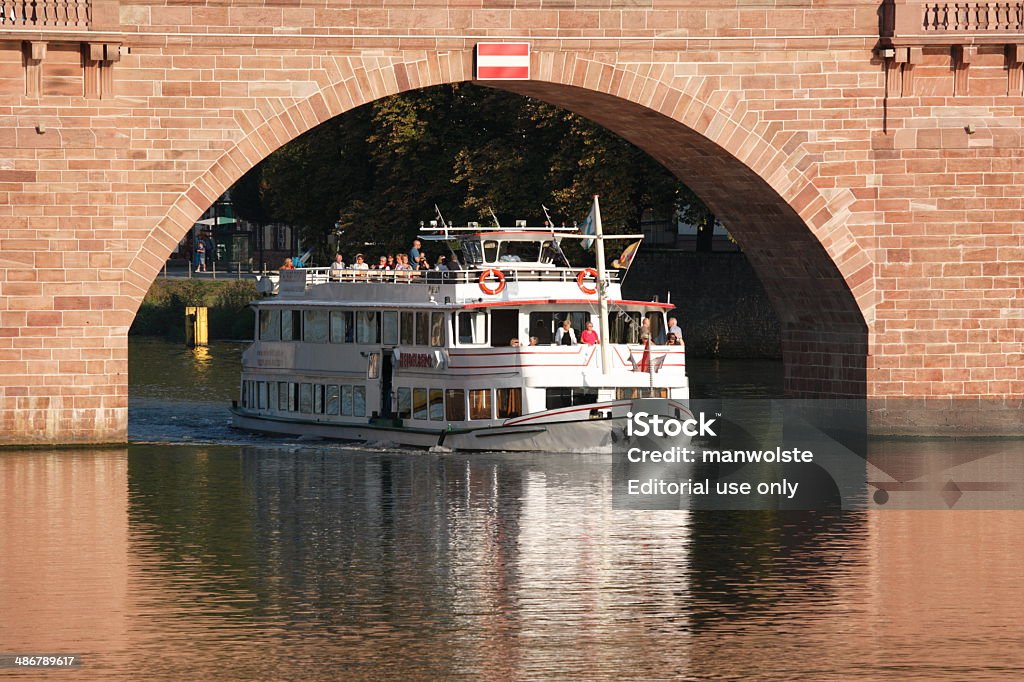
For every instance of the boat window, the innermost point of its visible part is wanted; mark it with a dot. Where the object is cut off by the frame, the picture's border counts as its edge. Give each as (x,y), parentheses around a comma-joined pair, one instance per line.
(305,398)
(436,404)
(404,403)
(567,397)
(490,251)
(419,403)
(389,327)
(544,324)
(504,326)
(367,329)
(286,325)
(332,399)
(657,327)
(455,405)
(471,252)
(359,401)
(549,253)
(422,329)
(314,326)
(631,393)
(293,397)
(282,396)
(509,402)
(264,398)
(624,327)
(408,329)
(346,400)
(318,399)
(472,327)
(373,366)
(342,326)
(436,329)
(480,403)
(579,319)
(519,252)
(270,325)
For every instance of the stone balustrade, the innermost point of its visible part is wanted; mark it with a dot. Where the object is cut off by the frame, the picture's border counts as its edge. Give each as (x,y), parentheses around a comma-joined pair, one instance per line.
(45,13)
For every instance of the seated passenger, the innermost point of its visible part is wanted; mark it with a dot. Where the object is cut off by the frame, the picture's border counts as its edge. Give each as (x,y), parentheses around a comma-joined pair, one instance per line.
(534,341)
(672,340)
(589,336)
(514,343)
(566,335)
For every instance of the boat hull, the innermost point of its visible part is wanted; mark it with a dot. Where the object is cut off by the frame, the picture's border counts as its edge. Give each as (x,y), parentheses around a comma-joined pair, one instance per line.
(576,436)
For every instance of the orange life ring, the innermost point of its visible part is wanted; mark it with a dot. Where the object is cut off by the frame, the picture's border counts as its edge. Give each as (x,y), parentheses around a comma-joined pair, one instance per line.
(486,275)
(582,277)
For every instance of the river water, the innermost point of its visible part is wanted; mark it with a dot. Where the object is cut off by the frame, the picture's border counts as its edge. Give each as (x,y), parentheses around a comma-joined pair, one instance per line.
(201,553)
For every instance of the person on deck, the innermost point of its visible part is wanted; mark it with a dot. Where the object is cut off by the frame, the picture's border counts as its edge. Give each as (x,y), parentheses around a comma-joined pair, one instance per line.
(589,336)
(566,335)
(673,328)
(414,252)
(454,265)
(287,264)
(360,264)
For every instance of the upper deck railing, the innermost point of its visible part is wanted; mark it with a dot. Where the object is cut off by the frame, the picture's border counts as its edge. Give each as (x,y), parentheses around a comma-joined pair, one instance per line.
(315,276)
(45,13)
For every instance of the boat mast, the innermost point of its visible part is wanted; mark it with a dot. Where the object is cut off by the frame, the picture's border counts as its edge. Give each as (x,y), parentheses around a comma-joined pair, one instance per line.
(602,291)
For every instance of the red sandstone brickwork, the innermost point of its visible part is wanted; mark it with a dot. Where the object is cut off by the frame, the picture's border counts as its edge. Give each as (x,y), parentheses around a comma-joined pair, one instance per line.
(880,202)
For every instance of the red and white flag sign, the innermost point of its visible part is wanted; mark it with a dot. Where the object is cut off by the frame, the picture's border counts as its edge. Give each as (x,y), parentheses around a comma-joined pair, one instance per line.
(503,61)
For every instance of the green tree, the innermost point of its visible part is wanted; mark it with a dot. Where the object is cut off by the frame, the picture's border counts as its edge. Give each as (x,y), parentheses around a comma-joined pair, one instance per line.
(379,170)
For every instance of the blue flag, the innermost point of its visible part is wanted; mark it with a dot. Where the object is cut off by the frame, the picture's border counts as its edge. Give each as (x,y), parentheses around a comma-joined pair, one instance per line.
(589,226)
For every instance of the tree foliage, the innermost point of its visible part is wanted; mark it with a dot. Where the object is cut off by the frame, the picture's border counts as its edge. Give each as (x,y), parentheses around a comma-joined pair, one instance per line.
(378,171)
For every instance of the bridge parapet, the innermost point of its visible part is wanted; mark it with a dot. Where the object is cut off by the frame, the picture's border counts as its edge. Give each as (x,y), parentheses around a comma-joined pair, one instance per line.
(916,23)
(45,13)
(59,15)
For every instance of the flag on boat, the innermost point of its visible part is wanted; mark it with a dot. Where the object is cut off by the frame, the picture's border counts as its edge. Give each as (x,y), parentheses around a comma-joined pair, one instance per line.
(647,363)
(626,257)
(591,224)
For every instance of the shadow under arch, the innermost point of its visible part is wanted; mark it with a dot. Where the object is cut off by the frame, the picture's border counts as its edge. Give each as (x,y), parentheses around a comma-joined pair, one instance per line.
(810,266)
(824,335)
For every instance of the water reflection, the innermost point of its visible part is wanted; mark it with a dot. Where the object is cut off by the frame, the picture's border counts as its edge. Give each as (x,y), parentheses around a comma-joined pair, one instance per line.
(270,563)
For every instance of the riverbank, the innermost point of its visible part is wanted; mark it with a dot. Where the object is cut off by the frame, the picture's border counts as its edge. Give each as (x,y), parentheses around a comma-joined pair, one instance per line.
(162,312)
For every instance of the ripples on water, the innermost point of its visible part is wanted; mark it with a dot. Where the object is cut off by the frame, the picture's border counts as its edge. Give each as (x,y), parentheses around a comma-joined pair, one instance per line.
(247,560)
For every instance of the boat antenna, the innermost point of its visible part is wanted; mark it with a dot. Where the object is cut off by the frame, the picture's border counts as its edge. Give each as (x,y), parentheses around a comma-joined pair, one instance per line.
(555,242)
(496,222)
(441,219)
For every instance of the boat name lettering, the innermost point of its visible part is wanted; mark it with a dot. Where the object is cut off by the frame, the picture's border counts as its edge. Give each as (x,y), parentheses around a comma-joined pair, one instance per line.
(270,357)
(416,360)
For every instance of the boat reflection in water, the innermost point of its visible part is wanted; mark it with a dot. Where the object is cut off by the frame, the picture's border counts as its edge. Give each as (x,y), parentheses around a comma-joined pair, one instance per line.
(291,562)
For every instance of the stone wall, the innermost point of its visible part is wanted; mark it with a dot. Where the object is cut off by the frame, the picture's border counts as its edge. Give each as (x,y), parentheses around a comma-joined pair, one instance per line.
(721,304)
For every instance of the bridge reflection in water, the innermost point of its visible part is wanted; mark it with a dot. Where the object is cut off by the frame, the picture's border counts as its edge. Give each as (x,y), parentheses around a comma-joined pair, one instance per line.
(257,562)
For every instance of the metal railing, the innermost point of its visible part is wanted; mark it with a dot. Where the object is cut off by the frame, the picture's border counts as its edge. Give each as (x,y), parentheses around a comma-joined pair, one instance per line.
(434,277)
(45,13)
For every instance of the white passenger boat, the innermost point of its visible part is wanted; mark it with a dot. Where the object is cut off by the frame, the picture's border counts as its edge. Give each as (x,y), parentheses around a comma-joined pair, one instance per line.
(465,359)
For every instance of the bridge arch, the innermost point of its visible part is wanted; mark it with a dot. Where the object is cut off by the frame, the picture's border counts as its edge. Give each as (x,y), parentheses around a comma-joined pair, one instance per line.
(751,171)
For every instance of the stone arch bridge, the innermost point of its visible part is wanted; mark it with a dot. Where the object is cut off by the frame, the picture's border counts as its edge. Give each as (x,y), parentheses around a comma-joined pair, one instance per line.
(867,156)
